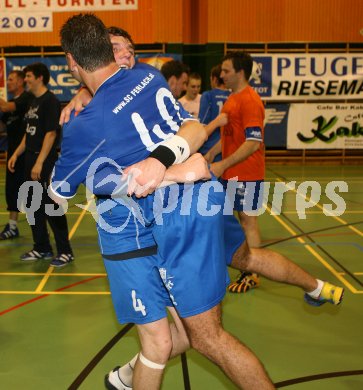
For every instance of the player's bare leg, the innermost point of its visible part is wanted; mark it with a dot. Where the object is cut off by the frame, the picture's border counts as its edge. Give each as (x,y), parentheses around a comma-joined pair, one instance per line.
(239,363)
(273,266)
(250,227)
(178,334)
(156,345)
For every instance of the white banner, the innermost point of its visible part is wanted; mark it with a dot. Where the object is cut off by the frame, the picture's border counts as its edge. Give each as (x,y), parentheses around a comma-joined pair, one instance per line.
(308,76)
(66,5)
(26,22)
(325,126)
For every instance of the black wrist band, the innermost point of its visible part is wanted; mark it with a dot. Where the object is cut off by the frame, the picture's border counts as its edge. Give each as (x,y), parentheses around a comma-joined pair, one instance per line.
(164,155)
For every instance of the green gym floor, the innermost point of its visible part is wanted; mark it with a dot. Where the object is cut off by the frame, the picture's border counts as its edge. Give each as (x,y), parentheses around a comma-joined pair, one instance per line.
(58,329)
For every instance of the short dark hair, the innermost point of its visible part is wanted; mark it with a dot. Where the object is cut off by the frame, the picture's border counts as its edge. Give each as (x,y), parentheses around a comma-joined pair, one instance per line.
(38,69)
(174,68)
(120,32)
(241,60)
(20,73)
(195,76)
(86,38)
(216,73)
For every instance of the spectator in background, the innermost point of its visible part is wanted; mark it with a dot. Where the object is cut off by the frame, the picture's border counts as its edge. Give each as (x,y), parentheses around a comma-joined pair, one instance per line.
(176,74)
(13,118)
(191,100)
(39,147)
(211,104)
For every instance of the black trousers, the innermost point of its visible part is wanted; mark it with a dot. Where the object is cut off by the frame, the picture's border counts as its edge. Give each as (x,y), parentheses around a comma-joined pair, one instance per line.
(58,224)
(13,182)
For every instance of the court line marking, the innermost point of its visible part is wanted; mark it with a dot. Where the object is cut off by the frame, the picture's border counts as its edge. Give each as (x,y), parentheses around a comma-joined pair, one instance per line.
(341,220)
(317,377)
(315,253)
(319,212)
(71,233)
(41,296)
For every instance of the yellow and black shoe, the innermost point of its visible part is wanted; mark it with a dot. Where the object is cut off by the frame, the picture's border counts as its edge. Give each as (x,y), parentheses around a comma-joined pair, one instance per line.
(245,281)
(329,293)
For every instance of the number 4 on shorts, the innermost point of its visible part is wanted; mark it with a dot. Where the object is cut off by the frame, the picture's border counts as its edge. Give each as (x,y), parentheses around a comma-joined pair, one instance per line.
(137,303)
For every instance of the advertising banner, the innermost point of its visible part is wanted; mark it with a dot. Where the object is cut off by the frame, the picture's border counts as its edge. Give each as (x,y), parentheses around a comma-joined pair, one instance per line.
(308,76)
(67,5)
(325,126)
(276,117)
(61,83)
(158,59)
(31,16)
(26,22)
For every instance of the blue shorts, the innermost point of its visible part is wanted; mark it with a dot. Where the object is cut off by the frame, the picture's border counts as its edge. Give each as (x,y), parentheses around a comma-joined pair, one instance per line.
(246,195)
(137,289)
(189,271)
(190,239)
(234,237)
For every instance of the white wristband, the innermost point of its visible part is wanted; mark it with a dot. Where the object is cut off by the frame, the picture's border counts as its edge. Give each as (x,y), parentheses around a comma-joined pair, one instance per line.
(179,146)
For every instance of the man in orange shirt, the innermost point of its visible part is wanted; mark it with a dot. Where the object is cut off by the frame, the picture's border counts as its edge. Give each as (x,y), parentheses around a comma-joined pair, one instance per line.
(242,149)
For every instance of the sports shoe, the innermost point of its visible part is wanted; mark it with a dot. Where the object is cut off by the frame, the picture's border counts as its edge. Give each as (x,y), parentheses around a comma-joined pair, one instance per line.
(329,293)
(246,281)
(62,260)
(114,382)
(9,233)
(35,255)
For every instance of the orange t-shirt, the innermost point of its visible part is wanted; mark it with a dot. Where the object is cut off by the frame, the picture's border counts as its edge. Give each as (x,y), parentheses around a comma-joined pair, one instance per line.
(245,110)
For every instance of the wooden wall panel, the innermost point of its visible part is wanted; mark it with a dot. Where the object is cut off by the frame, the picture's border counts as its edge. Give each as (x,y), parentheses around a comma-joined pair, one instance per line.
(210,21)
(285,20)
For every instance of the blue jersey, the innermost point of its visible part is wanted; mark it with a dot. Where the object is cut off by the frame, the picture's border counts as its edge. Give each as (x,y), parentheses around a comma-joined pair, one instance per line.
(129,115)
(211,104)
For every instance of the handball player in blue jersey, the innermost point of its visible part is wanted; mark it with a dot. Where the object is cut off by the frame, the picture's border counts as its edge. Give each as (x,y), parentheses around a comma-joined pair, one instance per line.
(211,104)
(281,269)
(133,119)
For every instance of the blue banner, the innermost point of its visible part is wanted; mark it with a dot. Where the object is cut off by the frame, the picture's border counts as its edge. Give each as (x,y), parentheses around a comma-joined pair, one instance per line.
(276,116)
(261,77)
(61,83)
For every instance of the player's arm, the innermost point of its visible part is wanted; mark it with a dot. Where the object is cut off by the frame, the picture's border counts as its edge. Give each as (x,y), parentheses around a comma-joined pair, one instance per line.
(193,169)
(7,106)
(18,152)
(219,121)
(47,145)
(242,153)
(213,152)
(146,175)
(78,103)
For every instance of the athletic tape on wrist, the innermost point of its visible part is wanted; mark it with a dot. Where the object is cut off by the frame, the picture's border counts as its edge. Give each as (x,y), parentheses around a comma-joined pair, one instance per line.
(175,150)
(149,363)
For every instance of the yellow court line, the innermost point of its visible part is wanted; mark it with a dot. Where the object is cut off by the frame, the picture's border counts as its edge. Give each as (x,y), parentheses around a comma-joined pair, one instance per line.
(319,212)
(45,273)
(354,273)
(314,253)
(56,292)
(71,233)
(341,220)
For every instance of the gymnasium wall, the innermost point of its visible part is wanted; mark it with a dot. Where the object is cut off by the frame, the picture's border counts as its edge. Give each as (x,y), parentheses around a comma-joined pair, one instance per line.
(192,21)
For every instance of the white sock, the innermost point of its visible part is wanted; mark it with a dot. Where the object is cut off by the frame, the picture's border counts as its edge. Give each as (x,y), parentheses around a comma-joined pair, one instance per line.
(126,372)
(315,293)
(12,224)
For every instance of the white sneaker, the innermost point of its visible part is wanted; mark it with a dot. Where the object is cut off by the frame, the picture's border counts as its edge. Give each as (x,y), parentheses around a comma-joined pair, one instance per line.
(114,382)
